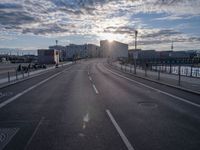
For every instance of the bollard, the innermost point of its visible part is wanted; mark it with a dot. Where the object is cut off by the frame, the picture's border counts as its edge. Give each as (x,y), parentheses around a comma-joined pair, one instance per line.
(179,75)
(23,74)
(191,71)
(135,67)
(28,73)
(8,76)
(145,70)
(16,75)
(158,73)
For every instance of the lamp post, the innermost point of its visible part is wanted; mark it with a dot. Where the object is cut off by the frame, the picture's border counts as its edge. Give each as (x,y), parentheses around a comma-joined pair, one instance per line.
(136,33)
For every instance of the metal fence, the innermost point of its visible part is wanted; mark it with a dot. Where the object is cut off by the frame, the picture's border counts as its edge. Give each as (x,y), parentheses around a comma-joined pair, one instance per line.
(179,75)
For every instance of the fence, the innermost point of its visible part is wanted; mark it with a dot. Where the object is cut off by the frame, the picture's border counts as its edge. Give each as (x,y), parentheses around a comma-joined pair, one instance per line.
(184,76)
(12,76)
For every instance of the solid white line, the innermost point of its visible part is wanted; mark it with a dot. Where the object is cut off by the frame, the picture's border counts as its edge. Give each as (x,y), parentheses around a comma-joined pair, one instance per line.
(168,94)
(27,90)
(35,131)
(95,89)
(119,130)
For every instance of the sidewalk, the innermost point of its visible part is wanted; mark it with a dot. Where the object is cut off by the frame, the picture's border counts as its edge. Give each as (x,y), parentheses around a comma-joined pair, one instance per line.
(13,78)
(189,83)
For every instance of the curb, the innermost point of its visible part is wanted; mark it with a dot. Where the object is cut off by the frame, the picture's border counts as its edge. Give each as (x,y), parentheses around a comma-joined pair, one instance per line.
(162,83)
(30,77)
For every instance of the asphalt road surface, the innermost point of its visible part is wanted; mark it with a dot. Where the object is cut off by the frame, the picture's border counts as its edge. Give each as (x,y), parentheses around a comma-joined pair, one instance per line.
(91,106)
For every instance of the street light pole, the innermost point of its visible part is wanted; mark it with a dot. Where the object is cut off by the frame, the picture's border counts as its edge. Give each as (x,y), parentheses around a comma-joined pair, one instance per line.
(136,33)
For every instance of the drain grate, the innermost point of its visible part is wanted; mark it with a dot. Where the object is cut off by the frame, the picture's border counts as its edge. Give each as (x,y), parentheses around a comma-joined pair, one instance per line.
(6,134)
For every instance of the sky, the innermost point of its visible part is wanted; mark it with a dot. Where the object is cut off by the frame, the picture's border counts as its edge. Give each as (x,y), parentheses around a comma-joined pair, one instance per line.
(33,24)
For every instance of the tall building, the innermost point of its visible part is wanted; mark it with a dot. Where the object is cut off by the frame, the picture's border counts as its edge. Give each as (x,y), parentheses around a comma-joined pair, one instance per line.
(113,49)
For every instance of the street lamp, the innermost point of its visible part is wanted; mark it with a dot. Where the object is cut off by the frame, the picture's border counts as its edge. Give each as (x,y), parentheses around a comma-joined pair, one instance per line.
(136,33)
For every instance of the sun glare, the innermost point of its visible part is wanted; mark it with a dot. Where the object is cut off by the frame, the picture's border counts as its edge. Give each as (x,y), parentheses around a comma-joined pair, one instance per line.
(110,40)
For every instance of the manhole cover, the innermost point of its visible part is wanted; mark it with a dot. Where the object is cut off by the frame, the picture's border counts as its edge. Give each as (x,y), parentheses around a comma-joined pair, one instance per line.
(148,104)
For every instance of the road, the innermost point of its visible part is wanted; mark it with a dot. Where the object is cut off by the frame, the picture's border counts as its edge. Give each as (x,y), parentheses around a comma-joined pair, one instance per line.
(92,106)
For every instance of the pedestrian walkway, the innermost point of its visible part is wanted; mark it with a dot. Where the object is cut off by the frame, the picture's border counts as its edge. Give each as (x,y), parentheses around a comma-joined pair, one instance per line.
(190,83)
(13,77)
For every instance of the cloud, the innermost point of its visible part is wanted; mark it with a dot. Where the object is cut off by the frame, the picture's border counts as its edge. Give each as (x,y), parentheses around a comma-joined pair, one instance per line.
(96,18)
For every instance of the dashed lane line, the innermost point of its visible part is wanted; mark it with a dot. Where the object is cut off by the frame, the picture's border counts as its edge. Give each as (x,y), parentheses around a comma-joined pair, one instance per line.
(120,132)
(95,89)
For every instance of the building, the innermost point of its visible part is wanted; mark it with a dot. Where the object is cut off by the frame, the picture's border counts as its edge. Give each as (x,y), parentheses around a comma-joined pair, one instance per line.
(48,56)
(82,51)
(62,51)
(148,54)
(93,51)
(113,49)
(133,53)
(76,51)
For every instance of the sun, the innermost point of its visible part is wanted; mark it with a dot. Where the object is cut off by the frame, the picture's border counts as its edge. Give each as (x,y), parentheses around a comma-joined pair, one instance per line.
(110,40)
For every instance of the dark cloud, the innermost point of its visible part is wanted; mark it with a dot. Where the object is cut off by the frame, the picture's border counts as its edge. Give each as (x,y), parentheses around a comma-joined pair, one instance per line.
(10,6)
(45,30)
(165,33)
(15,18)
(120,30)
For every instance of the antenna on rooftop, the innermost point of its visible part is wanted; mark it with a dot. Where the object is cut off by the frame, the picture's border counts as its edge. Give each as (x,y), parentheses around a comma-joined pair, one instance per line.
(56,42)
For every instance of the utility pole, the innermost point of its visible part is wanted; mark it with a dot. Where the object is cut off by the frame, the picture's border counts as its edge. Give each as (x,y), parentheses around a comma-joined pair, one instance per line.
(56,42)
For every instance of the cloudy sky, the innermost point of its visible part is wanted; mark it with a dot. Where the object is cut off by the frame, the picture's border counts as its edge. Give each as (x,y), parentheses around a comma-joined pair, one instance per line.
(32,24)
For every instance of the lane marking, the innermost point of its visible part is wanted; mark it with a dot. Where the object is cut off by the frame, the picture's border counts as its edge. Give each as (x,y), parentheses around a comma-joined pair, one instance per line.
(29,89)
(90,78)
(168,94)
(34,133)
(95,89)
(119,130)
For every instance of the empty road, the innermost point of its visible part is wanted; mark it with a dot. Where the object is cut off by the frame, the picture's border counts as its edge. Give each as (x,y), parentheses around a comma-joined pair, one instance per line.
(91,106)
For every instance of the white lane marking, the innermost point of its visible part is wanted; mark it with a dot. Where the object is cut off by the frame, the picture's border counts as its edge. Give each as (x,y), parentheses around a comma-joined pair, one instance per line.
(168,94)
(119,130)
(34,133)
(95,89)
(27,90)
(90,78)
